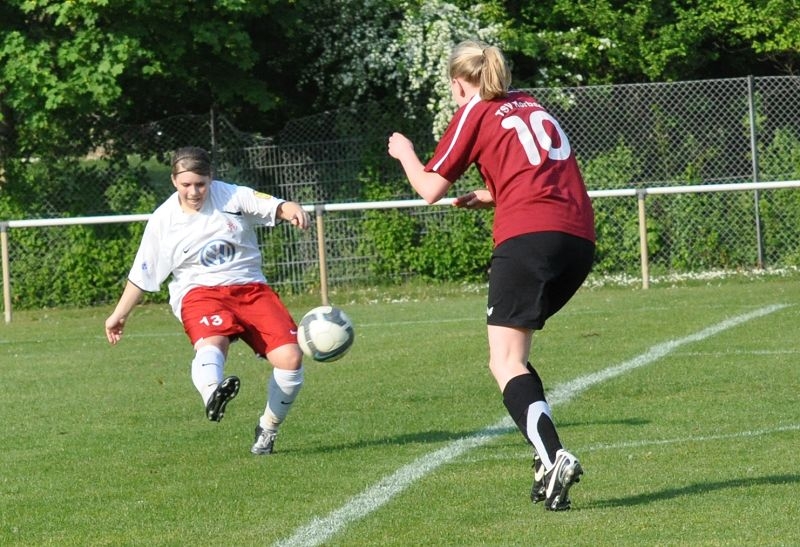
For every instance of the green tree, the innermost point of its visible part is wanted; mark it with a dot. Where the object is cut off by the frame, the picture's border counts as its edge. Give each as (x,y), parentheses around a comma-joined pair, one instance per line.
(566,42)
(70,70)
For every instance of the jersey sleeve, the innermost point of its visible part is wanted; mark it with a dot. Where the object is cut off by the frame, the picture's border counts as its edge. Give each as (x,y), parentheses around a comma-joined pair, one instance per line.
(454,152)
(263,207)
(150,268)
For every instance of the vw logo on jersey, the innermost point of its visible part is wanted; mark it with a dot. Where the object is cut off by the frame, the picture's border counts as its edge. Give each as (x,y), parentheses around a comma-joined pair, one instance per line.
(217,252)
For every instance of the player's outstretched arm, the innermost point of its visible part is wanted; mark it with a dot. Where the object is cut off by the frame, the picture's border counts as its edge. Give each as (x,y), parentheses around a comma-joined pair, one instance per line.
(294,213)
(116,321)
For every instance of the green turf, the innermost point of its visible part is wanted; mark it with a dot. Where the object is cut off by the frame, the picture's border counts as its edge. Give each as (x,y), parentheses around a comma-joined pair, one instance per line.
(108,445)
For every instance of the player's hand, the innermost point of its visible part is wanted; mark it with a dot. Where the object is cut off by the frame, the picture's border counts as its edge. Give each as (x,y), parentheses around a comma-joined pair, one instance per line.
(477,199)
(400,145)
(300,219)
(295,214)
(114,327)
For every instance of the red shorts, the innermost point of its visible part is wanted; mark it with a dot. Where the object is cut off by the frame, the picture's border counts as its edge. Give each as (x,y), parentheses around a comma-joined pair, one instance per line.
(252,312)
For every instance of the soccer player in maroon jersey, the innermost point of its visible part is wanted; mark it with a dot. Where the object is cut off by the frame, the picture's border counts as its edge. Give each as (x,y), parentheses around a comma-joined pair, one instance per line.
(543,231)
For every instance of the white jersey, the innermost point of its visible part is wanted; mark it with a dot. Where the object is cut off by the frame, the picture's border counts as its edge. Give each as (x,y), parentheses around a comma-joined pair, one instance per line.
(214,246)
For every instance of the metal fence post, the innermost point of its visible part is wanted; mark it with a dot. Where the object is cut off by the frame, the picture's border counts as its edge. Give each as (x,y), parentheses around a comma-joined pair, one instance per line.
(6,271)
(319,212)
(212,119)
(643,252)
(754,157)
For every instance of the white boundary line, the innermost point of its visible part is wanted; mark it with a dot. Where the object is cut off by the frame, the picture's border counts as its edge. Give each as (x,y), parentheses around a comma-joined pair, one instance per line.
(319,530)
(644,443)
(694,439)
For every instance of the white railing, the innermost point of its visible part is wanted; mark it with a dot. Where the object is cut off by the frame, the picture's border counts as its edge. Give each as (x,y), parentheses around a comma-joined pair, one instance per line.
(320,209)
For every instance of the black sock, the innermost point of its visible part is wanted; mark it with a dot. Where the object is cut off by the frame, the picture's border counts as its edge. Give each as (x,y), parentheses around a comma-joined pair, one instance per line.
(519,394)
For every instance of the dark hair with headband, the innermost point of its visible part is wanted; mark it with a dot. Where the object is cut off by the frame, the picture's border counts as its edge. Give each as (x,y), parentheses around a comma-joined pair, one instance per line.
(191,158)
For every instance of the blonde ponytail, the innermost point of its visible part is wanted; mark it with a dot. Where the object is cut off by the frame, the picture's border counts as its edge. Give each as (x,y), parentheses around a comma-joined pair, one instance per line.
(483,66)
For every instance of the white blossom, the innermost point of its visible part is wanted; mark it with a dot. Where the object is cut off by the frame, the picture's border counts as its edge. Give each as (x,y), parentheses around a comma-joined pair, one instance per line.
(369,47)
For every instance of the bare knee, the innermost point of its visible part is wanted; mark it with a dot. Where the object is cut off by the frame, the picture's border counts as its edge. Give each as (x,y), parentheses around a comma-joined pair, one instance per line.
(220,342)
(286,357)
(505,371)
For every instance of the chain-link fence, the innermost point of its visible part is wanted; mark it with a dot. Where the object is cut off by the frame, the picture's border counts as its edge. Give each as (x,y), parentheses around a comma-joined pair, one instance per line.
(625,136)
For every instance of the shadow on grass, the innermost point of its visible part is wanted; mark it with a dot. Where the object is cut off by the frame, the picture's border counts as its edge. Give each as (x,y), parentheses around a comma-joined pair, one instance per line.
(433,437)
(691,490)
(421,437)
(625,421)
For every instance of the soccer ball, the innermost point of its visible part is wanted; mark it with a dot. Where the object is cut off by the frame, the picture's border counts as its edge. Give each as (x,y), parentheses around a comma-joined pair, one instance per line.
(325,334)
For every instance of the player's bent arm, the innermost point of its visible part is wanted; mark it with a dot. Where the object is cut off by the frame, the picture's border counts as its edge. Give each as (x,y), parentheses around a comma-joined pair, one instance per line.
(116,321)
(430,186)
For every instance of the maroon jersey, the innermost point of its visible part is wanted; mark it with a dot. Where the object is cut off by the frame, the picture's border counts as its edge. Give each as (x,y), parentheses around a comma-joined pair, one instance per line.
(526,162)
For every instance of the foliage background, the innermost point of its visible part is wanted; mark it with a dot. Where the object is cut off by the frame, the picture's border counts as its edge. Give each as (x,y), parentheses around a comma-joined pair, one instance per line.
(94,95)
(69,71)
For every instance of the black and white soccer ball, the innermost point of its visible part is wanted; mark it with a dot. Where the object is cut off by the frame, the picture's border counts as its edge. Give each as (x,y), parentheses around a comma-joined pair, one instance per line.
(325,334)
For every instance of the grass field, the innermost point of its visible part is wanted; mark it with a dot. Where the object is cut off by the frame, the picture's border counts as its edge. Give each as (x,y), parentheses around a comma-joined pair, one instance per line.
(682,403)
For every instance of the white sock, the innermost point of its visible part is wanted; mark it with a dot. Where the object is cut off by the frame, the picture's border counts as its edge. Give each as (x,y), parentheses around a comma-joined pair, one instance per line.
(207,370)
(282,389)
(534,412)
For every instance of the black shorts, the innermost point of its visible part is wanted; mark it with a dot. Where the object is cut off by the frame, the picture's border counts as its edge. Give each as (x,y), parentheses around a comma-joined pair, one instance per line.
(533,275)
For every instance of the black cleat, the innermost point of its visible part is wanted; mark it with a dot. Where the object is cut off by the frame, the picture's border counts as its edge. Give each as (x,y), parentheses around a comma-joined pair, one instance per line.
(226,390)
(538,488)
(566,472)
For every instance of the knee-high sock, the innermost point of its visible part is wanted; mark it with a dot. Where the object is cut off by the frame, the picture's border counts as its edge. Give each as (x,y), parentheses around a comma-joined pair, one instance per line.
(207,369)
(282,390)
(542,433)
(524,399)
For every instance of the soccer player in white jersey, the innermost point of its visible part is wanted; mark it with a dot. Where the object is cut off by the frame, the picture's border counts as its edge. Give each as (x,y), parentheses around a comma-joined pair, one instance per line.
(204,236)
(543,230)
